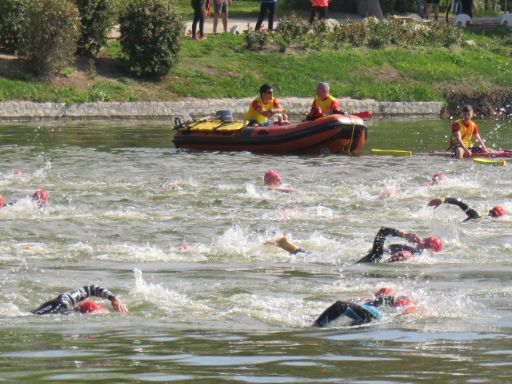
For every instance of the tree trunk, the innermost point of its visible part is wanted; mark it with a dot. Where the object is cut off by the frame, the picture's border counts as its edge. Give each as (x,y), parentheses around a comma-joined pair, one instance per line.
(369,8)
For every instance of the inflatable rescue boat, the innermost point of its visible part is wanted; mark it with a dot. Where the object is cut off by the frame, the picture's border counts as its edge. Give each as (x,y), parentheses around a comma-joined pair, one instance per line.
(330,134)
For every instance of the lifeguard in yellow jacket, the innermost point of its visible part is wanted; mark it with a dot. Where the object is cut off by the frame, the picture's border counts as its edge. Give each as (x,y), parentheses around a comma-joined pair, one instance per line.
(463,131)
(324,104)
(263,107)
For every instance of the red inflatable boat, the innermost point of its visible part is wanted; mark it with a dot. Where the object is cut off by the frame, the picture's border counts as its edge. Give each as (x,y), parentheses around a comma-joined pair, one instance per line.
(331,134)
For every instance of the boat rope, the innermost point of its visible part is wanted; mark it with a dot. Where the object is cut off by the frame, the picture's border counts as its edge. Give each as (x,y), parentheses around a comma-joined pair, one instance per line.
(352,136)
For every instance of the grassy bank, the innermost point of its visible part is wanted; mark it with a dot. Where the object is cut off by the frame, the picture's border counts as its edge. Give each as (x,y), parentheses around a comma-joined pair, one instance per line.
(220,67)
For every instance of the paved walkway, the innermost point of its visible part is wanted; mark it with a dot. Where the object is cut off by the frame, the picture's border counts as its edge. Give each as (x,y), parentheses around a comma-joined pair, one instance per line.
(238,25)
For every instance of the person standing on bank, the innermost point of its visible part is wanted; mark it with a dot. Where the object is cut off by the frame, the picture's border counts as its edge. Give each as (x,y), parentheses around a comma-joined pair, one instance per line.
(270,7)
(221,9)
(199,13)
(318,10)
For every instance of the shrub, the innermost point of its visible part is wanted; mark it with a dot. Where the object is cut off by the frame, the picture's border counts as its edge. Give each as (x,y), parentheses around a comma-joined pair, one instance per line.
(256,40)
(96,20)
(351,32)
(11,19)
(151,32)
(49,34)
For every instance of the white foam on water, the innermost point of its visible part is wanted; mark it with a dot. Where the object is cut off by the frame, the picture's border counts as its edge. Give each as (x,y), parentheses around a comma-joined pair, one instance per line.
(164,298)
(134,253)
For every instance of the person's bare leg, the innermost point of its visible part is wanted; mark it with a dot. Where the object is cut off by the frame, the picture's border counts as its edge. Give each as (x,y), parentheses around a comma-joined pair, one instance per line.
(215,23)
(225,21)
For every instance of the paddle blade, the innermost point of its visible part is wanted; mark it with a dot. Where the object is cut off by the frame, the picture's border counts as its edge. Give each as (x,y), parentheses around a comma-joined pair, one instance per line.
(498,163)
(391,152)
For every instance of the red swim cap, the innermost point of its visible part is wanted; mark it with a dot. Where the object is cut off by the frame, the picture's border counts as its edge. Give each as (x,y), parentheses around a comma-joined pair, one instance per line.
(1,202)
(90,306)
(272,178)
(40,197)
(400,256)
(433,243)
(497,211)
(437,178)
(403,302)
(386,291)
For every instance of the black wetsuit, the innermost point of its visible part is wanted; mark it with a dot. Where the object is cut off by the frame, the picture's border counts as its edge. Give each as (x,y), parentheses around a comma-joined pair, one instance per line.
(470,212)
(359,313)
(377,252)
(66,302)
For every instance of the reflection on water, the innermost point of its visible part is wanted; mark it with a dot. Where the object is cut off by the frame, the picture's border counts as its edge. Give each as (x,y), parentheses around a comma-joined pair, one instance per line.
(180,236)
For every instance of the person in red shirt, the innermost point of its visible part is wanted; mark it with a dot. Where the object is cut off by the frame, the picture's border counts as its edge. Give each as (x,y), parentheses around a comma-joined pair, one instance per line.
(318,10)
(463,131)
(324,104)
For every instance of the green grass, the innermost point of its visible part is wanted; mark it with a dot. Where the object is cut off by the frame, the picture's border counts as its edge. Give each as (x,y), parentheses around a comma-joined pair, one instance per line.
(220,67)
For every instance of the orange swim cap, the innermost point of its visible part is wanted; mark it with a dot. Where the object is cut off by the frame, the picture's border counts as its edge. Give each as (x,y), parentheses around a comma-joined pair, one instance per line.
(90,306)
(386,291)
(272,178)
(40,197)
(433,243)
(497,211)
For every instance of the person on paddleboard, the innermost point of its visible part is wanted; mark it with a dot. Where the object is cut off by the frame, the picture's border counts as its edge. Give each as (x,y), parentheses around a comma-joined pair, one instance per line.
(495,212)
(400,252)
(324,104)
(365,310)
(463,131)
(263,107)
(73,301)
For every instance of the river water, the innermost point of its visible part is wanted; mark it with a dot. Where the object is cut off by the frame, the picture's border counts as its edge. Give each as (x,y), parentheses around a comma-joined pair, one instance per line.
(180,237)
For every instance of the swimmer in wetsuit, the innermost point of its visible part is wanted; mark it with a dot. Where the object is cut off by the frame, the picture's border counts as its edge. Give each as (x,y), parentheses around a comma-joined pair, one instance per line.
(494,212)
(273,181)
(69,302)
(39,197)
(400,252)
(366,312)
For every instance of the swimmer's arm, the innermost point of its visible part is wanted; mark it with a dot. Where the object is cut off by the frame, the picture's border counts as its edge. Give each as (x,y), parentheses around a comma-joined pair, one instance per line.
(71,298)
(376,253)
(470,212)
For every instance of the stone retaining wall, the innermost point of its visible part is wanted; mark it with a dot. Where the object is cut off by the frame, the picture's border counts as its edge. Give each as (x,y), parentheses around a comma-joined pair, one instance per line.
(186,108)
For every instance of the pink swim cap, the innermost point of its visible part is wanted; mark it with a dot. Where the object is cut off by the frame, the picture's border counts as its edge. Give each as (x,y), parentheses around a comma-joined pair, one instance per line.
(90,306)
(497,211)
(400,256)
(2,203)
(272,178)
(40,197)
(386,291)
(438,177)
(433,243)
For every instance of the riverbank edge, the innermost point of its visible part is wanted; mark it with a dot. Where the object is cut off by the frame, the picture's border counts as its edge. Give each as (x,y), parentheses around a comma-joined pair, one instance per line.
(19,111)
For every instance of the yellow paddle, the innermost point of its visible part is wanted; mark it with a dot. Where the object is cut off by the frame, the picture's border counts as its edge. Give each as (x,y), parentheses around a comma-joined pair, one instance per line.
(391,152)
(481,160)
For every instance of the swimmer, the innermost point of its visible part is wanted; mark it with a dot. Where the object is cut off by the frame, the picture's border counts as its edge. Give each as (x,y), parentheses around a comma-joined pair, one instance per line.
(438,178)
(367,311)
(495,212)
(73,301)
(273,181)
(39,197)
(400,252)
